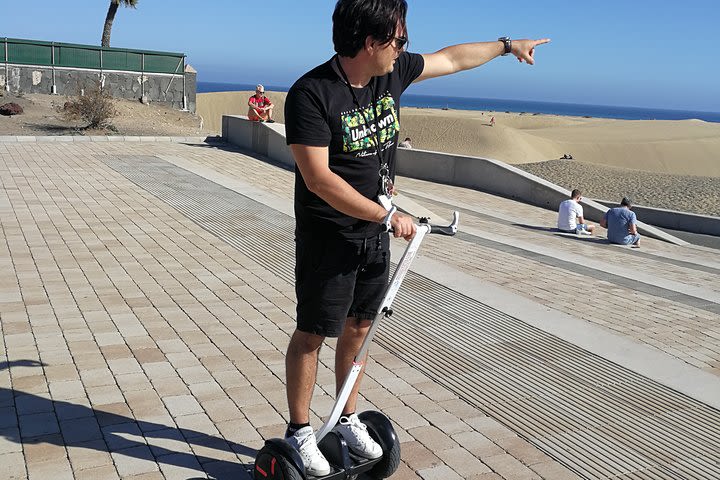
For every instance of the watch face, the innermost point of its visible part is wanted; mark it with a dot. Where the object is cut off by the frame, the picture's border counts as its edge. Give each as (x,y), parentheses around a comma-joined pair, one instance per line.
(506,41)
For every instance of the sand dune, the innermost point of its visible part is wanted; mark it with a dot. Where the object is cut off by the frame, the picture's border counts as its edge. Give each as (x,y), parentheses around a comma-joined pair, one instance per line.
(684,147)
(687,193)
(687,147)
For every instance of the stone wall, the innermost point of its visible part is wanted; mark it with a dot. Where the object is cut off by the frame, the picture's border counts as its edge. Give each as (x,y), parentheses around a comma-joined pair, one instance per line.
(161,88)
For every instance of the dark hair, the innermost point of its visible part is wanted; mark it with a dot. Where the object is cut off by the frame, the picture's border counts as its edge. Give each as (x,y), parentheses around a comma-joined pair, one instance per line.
(355,20)
(575,193)
(626,202)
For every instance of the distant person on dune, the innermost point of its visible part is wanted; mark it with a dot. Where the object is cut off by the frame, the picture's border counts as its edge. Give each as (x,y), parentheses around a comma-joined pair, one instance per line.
(260,107)
(570,216)
(621,223)
(405,143)
(492,121)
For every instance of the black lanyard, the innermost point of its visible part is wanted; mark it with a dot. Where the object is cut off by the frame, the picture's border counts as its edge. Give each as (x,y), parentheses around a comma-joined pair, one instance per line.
(386,185)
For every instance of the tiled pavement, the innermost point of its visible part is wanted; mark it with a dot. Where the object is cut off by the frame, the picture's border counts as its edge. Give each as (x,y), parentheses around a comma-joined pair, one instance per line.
(137,344)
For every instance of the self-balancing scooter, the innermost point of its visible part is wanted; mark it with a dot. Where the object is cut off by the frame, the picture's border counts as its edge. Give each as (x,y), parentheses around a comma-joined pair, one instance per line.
(278,460)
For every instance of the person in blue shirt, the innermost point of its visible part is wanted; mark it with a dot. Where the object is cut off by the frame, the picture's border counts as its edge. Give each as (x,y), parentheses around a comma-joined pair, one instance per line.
(621,223)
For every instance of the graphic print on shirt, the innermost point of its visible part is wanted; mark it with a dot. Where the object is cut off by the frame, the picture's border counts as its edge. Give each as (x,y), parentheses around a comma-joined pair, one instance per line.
(358,136)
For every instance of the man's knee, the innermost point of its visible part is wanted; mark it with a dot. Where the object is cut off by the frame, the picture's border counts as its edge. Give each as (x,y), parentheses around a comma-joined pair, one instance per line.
(357,327)
(304,343)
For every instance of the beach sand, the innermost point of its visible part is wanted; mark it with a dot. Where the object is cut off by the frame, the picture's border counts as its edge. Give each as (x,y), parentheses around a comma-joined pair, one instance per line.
(661,163)
(41,117)
(686,193)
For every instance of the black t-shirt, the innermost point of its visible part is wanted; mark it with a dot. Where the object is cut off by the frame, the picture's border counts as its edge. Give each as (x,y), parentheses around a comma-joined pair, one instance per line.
(320,112)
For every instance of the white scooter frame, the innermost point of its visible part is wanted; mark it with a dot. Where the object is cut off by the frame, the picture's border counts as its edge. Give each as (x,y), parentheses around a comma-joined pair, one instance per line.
(423,228)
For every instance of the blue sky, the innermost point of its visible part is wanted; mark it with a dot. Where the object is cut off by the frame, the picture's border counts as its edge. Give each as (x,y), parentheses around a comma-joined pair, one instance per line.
(629,53)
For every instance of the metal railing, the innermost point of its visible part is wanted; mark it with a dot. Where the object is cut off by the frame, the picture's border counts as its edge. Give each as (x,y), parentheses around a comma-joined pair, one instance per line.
(54,55)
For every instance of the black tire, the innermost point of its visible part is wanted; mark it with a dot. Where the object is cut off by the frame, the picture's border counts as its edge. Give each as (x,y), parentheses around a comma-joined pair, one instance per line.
(270,465)
(382,431)
(389,463)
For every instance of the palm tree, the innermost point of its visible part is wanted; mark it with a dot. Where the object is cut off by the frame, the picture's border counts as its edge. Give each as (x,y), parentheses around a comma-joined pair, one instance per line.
(112,10)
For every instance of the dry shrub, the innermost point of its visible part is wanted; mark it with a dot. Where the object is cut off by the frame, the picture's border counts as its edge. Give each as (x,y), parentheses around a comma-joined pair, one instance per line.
(94,107)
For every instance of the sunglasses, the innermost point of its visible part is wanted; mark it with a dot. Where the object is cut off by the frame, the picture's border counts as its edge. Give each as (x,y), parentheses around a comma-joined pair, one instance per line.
(400,42)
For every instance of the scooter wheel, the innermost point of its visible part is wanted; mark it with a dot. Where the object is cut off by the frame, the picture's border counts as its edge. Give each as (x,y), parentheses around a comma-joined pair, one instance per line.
(270,465)
(389,463)
(382,431)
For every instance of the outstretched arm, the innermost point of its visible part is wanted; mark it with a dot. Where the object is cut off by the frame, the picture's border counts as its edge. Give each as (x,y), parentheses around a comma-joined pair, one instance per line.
(470,55)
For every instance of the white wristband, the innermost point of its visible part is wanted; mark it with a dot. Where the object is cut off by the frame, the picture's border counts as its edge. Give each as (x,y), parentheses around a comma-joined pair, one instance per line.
(389,215)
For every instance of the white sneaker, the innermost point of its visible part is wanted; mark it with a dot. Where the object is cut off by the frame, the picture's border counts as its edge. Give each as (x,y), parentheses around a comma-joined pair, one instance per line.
(583,232)
(357,437)
(304,442)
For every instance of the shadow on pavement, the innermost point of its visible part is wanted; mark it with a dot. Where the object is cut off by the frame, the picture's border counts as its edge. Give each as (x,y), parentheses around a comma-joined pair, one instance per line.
(539,228)
(582,238)
(220,144)
(27,418)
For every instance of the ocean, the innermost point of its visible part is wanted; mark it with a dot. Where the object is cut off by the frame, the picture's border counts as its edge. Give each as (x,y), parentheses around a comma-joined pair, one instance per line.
(498,105)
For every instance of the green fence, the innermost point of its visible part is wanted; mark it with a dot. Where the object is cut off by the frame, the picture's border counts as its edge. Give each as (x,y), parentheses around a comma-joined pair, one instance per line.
(53,54)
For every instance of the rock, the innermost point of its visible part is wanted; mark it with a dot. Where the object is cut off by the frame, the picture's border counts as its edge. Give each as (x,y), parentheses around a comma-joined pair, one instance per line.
(10,109)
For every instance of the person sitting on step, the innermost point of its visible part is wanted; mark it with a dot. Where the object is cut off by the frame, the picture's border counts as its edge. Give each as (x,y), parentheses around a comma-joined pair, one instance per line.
(260,107)
(570,216)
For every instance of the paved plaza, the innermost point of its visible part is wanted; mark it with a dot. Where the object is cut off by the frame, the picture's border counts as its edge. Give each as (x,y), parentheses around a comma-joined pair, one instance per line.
(146,301)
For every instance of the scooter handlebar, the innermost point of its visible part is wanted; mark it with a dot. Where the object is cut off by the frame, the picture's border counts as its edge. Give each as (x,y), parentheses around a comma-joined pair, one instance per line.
(448,230)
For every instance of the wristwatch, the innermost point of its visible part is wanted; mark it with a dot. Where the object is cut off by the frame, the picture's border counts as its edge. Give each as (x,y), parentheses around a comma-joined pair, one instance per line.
(507,43)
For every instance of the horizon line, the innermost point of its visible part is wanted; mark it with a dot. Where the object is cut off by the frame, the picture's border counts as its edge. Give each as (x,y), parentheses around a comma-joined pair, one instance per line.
(663,109)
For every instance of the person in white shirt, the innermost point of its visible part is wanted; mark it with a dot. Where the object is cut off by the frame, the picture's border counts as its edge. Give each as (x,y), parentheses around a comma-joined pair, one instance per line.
(405,143)
(570,216)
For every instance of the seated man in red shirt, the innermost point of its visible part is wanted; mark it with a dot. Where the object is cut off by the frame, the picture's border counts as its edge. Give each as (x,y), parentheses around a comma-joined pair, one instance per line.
(260,106)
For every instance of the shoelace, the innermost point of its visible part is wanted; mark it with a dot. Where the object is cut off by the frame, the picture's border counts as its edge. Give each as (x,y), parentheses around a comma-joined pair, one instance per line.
(359,424)
(356,423)
(315,449)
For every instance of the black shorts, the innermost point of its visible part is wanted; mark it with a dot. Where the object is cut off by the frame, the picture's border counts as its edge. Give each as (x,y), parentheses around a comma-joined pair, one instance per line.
(337,278)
